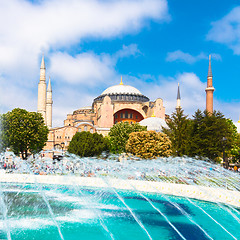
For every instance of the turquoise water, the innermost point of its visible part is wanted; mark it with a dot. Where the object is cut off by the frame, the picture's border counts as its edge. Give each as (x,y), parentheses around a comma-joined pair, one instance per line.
(83,213)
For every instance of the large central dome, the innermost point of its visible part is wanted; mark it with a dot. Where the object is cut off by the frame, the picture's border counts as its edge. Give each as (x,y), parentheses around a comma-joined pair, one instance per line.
(122,92)
(121,89)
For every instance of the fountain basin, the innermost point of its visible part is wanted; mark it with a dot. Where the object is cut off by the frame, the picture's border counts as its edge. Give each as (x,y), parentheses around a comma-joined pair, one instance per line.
(98,213)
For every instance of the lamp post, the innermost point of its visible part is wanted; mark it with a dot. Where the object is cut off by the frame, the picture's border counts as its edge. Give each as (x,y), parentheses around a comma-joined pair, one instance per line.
(62,146)
(225,161)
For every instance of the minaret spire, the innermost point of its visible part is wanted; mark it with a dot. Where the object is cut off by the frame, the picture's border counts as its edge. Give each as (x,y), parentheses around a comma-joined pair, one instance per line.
(42,90)
(209,67)
(43,70)
(210,89)
(49,89)
(178,99)
(49,103)
(43,62)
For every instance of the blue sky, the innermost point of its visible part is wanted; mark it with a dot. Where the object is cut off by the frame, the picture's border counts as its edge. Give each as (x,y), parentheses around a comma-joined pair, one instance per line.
(88,45)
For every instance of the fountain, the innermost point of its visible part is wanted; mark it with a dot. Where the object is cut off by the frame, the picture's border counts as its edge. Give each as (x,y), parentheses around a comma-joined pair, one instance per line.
(91,198)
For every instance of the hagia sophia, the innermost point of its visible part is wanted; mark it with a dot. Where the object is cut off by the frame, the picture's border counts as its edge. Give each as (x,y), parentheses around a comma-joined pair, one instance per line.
(118,103)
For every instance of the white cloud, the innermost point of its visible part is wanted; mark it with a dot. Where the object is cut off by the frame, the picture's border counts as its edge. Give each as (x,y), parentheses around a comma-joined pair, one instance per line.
(31,28)
(127,51)
(227,30)
(86,68)
(188,58)
(15,95)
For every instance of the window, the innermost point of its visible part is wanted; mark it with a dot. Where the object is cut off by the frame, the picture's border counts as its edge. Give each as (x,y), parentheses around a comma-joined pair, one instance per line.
(116,116)
(121,115)
(130,115)
(136,116)
(85,128)
(126,114)
(91,130)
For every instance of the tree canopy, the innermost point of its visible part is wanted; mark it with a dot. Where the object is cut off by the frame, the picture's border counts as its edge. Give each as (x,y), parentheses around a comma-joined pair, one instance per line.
(119,135)
(23,132)
(202,135)
(86,144)
(179,127)
(207,133)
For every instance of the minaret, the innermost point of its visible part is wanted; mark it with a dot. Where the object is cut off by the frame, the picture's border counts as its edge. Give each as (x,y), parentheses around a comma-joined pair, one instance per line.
(42,91)
(178,107)
(210,89)
(49,105)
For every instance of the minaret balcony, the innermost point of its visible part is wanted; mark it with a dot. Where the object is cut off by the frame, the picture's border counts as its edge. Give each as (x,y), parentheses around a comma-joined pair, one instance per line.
(210,89)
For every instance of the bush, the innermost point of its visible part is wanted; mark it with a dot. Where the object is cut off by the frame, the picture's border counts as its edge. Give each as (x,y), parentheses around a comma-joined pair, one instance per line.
(119,135)
(149,144)
(86,144)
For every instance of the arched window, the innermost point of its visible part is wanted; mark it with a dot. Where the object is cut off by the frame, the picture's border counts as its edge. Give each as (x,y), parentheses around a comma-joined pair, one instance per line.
(85,128)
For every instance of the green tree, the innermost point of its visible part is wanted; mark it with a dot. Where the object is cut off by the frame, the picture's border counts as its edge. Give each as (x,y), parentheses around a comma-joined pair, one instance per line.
(86,144)
(234,153)
(119,135)
(207,133)
(23,132)
(149,144)
(179,130)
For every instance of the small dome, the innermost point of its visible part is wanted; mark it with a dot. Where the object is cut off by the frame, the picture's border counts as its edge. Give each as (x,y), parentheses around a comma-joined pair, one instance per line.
(121,89)
(154,124)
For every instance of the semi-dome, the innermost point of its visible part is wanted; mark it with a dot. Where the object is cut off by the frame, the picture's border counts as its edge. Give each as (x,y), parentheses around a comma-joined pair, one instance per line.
(122,92)
(154,124)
